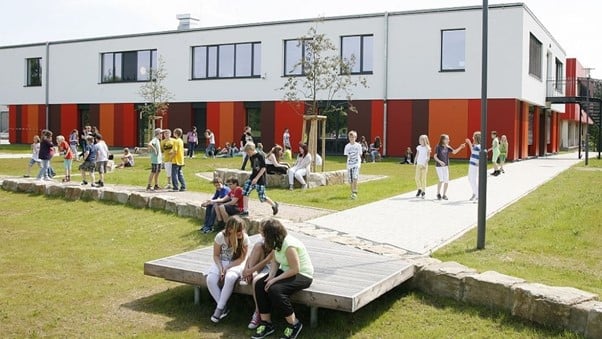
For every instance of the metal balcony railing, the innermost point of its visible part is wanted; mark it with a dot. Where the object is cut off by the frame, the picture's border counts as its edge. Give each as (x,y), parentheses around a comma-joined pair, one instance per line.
(573,87)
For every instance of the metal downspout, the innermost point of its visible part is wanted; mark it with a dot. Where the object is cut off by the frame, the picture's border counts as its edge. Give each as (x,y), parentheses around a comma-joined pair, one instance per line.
(47,83)
(385,80)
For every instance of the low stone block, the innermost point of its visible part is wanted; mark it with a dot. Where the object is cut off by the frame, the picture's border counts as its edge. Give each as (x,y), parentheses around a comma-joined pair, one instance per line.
(73,192)
(9,185)
(138,200)
(91,194)
(39,187)
(55,190)
(491,289)
(579,316)
(316,180)
(25,186)
(115,196)
(157,202)
(594,322)
(171,206)
(444,279)
(547,305)
(189,210)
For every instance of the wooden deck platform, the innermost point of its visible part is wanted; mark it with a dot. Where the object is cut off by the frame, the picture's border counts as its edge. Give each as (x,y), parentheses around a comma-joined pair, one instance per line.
(345,278)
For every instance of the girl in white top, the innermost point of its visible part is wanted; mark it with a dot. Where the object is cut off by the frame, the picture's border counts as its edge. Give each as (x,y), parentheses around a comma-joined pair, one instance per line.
(229,254)
(423,154)
(300,169)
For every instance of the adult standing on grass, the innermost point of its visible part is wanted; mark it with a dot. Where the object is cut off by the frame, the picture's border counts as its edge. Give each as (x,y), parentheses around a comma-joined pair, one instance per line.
(45,155)
(353,151)
(257,180)
(193,141)
(423,154)
(442,163)
(166,148)
(291,270)
(68,154)
(473,164)
(154,150)
(229,253)
(177,174)
(221,192)
(503,152)
(102,159)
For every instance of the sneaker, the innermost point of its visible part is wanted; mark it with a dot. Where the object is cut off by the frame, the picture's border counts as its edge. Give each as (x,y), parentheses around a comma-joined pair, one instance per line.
(503,171)
(263,330)
(291,332)
(438,196)
(156,188)
(444,197)
(291,187)
(94,185)
(472,198)
(149,188)
(182,189)
(422,194)
(100,183)
(245,213)
(304,187)
(84,182)
(418,193)
(274,208)
(219,314)
(26,176)
(255,321)
(353,196)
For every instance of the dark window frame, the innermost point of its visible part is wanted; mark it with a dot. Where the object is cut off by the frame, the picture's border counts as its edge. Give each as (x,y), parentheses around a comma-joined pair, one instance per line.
(254,73)
(29,79)
(152,56)
(361,57)
(441,69)
(559,70)
(300,42)
(535,64)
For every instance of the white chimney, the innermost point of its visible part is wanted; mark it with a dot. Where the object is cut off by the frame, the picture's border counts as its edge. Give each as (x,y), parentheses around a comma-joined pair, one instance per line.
(186,22)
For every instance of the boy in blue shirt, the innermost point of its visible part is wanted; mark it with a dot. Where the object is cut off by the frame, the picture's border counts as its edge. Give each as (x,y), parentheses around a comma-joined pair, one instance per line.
(221,191)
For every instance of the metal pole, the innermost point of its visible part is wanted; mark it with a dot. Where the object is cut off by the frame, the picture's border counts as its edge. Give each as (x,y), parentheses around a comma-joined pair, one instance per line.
(580,128)
(482,207)
(587,123)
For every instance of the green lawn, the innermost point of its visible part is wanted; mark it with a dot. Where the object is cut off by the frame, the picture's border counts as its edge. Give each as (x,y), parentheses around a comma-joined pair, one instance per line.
(551,236)
(400,179)
(75,269)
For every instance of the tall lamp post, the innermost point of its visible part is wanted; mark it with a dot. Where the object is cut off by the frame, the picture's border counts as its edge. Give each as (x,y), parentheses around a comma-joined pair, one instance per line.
(482,206)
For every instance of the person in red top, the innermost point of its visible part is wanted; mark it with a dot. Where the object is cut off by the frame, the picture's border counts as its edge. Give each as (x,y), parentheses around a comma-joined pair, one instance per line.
(231,204)
(67,152)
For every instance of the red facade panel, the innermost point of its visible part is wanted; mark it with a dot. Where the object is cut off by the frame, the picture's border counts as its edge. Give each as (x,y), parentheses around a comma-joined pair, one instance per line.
(378,118)
(288,115)
(399,126)
(69,118)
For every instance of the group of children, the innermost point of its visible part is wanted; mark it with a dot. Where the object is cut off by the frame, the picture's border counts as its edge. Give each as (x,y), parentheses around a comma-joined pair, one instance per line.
(441,156)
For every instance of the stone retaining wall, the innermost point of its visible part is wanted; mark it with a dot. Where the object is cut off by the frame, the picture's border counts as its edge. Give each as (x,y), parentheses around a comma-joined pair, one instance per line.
(281,180)
(557,307)
(155,201)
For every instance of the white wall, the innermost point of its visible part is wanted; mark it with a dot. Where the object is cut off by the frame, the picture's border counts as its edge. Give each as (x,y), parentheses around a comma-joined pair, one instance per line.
(414,60)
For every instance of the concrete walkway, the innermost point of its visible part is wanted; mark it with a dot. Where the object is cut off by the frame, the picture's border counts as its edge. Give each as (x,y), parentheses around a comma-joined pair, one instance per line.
(422,226)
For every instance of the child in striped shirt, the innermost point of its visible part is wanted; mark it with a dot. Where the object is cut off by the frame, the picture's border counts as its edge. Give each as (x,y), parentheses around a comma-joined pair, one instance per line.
(473,166)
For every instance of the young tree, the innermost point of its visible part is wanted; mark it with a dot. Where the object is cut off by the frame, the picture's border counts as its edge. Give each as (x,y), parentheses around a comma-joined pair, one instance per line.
(156,97)
(326,81)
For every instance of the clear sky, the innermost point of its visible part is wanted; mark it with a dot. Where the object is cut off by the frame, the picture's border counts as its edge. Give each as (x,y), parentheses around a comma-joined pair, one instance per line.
(574,24)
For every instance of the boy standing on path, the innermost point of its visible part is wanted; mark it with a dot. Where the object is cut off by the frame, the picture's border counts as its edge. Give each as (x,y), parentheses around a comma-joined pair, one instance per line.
(353,151)
(257,180)
(154,148)
(177,177)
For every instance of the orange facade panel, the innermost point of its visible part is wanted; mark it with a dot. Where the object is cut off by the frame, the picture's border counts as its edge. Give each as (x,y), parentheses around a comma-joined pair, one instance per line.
(448,117)
(107,123)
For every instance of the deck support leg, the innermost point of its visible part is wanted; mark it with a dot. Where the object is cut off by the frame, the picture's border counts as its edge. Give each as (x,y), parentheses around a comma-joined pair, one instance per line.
(197,295)
(313,316)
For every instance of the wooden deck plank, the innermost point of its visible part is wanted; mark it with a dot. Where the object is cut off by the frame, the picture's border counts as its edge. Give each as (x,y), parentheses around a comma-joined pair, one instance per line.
(345,278)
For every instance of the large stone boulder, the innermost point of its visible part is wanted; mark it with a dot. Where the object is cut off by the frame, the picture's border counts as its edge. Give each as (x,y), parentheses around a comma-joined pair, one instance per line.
(190,210)
(39,187)
(91,194)
(157,202)
(491,289)
(116,196)
(547,305)
(594,321)
(25,186)
(445,279)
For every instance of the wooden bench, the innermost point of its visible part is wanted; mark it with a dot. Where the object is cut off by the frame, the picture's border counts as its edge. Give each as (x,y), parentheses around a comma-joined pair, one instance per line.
(345,278)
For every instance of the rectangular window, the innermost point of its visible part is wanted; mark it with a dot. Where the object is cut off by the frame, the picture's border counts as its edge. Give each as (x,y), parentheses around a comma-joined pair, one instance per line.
(357,53)
(535,56)
(453,50)
(254,119)
(240,60)
(559,75)
(294,52)
(128,66)
(34,71)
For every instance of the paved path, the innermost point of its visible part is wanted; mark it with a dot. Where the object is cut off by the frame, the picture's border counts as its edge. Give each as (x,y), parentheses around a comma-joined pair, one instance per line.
(422,226)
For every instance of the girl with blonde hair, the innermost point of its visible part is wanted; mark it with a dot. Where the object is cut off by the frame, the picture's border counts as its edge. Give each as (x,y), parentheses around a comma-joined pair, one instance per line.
(421,160)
